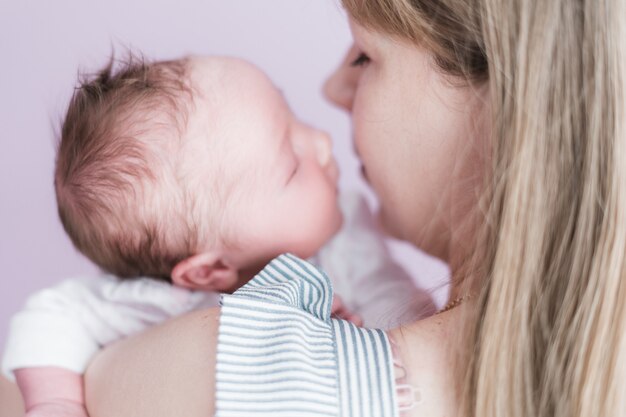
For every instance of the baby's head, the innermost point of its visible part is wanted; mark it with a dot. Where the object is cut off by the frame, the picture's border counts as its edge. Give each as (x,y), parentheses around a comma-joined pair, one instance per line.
(193,170)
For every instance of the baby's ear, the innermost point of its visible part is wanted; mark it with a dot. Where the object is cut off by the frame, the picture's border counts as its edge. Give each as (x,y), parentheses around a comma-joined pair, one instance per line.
(206,272)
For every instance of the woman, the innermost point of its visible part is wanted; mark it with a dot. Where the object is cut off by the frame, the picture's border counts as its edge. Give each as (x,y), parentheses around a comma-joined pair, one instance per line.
(493,134)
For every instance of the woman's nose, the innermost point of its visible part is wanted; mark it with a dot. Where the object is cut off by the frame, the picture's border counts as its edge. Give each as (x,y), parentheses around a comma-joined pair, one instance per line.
(340,86)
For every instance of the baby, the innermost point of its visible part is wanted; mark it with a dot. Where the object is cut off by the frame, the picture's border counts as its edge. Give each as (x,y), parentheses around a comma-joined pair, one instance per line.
(193,174)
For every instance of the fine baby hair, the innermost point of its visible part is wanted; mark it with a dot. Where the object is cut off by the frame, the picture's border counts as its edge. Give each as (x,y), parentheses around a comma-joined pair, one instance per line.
(118,194)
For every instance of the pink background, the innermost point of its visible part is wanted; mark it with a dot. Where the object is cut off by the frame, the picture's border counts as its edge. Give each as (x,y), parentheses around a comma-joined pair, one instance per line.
(43,44)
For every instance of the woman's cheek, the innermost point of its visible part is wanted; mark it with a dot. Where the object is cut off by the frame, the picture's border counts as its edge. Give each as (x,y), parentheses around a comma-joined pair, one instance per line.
(364,130)
(371,134)
(372,111)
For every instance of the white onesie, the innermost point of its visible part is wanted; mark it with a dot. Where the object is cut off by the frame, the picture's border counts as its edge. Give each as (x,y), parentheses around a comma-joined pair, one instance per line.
(64,326)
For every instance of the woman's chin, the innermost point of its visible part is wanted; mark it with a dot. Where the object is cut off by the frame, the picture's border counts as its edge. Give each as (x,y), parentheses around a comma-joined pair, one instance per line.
(388,225)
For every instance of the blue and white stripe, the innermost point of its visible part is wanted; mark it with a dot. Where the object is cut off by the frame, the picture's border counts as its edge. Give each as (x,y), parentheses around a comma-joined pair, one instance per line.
(280,354)
(366,381)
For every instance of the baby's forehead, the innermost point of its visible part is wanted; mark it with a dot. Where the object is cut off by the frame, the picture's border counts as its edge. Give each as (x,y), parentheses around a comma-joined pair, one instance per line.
(238,114)
(217,75)
(230,96)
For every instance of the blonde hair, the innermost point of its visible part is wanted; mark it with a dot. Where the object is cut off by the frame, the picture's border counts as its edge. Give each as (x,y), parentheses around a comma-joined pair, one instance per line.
(547,336)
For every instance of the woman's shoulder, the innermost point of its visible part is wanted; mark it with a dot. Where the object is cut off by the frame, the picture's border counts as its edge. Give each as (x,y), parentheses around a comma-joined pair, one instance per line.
(170,368)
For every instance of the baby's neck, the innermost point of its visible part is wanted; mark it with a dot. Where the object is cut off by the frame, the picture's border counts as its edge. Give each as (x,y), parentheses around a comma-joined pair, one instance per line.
(246,274)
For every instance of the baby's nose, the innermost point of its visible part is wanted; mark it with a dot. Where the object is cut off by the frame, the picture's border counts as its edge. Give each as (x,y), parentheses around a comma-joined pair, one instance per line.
(323,147)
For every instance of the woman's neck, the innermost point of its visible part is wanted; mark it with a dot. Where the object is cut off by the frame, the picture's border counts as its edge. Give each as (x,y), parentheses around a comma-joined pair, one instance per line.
(425,351)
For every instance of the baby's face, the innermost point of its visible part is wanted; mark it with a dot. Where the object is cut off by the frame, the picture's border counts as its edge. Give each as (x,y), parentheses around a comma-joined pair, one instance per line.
(281,172)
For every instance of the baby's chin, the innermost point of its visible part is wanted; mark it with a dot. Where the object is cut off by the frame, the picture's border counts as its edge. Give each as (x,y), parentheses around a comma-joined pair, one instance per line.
(337,224)
(308,250)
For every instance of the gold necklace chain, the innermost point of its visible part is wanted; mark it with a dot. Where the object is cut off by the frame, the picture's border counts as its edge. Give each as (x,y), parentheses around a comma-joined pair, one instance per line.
(454,303)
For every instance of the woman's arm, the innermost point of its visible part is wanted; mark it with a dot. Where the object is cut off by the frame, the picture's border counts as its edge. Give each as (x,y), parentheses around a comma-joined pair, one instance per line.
(169,370)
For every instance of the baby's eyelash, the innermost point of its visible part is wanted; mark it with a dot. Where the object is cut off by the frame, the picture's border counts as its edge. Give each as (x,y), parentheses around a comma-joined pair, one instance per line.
(360,60)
